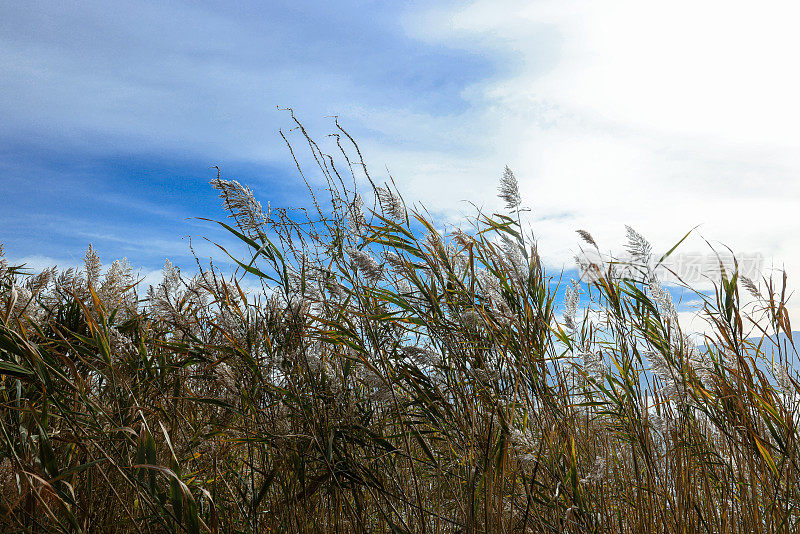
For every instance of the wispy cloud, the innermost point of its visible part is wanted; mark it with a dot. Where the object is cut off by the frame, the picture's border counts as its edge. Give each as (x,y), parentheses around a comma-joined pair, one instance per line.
(661,116)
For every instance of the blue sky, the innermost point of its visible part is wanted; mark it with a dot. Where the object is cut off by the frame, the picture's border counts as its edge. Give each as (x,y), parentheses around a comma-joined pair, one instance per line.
(661,116)
(115,112)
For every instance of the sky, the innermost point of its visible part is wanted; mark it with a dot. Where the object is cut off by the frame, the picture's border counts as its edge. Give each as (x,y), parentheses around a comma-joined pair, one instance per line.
(662,116)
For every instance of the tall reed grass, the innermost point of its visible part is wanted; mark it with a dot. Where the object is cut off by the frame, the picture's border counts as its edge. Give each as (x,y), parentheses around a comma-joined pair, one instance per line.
(391,377)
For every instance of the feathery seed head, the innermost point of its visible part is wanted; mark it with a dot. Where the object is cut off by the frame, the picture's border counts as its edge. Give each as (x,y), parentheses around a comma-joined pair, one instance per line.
(122,347)
(593,363)
(225,375)
(471,317)
(365,264)
(391,203)
(672,381)
(571,299)
(462,238)
(782,377)
(239,201)
(355,215)
(509,190)
(395,260)
(586,236)
(515,260)
(663,299)
(92,264)
(336,290)
(638,247)
(750,286)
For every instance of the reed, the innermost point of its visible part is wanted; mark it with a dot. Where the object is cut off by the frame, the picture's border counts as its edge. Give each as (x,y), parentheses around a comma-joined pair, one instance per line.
(392,378)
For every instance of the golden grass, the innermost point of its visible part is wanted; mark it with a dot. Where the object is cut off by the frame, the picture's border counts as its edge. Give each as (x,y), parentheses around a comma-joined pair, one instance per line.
(389,379)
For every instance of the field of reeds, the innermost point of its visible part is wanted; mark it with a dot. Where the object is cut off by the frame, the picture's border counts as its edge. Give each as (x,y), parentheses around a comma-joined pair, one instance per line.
(391,377)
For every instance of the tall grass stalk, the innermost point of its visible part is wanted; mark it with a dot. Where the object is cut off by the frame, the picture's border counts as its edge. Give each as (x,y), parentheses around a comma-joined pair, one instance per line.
(390,377)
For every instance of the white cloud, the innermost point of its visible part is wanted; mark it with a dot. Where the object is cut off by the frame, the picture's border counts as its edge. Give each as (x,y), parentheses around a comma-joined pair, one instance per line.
(661,116)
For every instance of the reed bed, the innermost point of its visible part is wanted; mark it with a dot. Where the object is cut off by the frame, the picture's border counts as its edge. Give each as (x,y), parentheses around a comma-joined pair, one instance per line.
(391,377)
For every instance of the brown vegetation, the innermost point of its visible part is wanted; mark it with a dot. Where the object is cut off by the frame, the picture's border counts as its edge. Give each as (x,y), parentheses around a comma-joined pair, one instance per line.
(389,378)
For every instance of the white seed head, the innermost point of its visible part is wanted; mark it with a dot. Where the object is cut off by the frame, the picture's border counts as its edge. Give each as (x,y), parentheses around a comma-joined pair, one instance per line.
(638,247)
(663,299)
(509,190)
(365,264)
(782,377)
(471,317)
(355,216)
(92,264)
(391,203)
(240,203)
(593,363)
(571,300)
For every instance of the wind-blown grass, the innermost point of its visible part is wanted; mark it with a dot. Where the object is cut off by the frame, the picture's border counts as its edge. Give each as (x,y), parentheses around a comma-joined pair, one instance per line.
(390,378)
